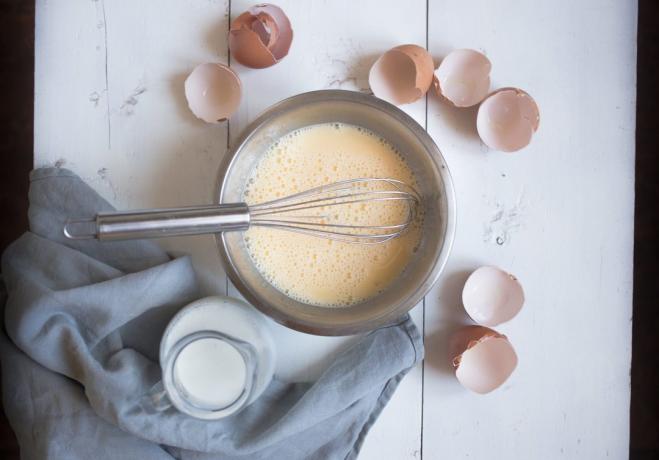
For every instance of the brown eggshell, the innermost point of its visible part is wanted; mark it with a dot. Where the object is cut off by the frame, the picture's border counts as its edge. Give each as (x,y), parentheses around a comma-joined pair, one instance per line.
(463,77)
(507,119)
(435,85)
(483,359)
(402,75)
(261,36)
(280,42)
(467,337)
(492,296)
(213,92)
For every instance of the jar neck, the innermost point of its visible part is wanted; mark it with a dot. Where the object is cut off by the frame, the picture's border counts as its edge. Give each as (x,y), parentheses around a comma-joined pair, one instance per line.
(194,408)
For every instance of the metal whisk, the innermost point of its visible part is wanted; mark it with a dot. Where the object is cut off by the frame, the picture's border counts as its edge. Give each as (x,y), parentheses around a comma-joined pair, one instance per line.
(308,212)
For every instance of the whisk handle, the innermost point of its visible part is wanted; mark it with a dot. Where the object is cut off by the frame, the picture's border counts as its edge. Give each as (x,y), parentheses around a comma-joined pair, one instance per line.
(157,223)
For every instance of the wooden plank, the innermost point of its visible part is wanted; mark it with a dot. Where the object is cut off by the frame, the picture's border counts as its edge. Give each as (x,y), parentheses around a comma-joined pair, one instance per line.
(109,104)
(334,46)
(559,215)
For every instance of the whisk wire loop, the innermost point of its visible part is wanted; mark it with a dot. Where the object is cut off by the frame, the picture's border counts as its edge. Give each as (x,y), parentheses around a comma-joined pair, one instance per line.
(280,213)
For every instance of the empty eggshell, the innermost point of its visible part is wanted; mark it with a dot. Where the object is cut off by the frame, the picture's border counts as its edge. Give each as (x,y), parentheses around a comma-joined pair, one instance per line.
(507,119)
(483,359)
(463,77)
(402,75)
(213,92)
(491,296)
(261,36)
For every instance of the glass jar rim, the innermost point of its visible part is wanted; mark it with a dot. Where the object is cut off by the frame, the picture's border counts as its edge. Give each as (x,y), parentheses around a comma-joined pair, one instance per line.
(246,351)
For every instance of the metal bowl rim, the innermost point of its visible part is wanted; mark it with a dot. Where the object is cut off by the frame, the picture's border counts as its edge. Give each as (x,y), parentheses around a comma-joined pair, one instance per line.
(323,328)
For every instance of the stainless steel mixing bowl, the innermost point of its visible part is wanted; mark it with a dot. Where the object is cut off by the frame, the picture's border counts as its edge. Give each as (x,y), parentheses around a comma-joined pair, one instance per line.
(434,184)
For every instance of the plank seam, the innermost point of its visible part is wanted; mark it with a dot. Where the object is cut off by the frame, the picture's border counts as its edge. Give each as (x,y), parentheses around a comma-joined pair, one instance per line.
(423,310)
(226,276)
(107,85)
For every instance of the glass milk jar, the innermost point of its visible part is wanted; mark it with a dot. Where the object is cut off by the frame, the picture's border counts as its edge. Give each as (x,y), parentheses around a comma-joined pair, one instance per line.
(217,356)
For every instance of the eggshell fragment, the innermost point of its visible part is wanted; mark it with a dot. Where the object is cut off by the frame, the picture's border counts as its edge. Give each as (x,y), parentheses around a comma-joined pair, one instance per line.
(491,296)
(261,36)
(507,119)
(402,75)
(463,77)
(483,358)
(213,92)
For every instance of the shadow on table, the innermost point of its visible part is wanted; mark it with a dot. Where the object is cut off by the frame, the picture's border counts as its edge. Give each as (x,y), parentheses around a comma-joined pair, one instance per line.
(461,120)
(216,37)
(451,318)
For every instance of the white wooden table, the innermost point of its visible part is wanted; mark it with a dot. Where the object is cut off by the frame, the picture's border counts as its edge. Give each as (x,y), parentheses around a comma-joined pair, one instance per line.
(109,105)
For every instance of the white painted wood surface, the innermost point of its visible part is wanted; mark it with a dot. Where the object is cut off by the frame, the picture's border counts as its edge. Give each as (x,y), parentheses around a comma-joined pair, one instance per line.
(109,104)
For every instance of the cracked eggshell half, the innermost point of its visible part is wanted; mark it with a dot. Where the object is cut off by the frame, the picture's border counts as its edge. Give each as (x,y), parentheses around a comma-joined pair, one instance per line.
(261,36)
(213,92)
(483,359)
(402,75)
(463,77)
(491,296)
(507,119)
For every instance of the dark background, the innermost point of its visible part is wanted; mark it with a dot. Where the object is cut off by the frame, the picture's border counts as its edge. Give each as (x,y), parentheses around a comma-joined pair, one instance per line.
(16,147)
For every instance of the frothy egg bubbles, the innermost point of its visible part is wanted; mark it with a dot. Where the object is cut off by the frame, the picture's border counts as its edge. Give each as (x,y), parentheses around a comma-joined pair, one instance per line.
(318,271)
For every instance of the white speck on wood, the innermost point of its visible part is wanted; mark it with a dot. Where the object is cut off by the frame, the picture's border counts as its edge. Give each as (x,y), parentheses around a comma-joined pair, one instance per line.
(504,221)
(94,98)
(347,63)
(103,174)
(128,106)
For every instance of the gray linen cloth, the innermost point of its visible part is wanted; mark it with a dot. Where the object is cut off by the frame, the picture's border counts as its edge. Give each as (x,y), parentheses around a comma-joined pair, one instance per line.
(79,346)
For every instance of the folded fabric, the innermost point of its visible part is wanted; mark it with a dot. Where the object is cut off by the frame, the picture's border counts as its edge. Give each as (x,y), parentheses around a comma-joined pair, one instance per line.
(83,321)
